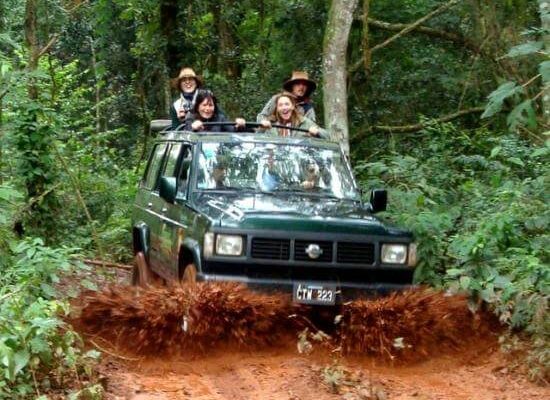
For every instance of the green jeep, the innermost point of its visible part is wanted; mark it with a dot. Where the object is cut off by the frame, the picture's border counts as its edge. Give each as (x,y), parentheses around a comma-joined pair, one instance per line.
(270,212)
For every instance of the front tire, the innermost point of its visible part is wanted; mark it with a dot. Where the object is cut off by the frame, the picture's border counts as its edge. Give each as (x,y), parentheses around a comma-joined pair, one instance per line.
(190,275)
(141,274)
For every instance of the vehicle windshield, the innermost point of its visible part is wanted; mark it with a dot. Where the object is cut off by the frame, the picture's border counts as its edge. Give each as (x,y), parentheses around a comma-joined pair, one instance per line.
(274,168)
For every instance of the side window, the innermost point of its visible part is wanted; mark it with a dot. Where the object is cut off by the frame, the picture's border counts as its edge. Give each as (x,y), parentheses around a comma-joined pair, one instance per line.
(153,167)
(171,163)
(185,171)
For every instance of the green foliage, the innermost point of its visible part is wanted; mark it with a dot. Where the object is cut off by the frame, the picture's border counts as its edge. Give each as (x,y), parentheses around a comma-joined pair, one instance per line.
(496,98)
(477,204)
(524,113)
(524,49)
(38,351)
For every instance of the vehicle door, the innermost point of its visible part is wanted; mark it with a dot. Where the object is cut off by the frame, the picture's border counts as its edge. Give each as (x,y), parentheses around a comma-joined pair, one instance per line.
(176,217)
(148,203)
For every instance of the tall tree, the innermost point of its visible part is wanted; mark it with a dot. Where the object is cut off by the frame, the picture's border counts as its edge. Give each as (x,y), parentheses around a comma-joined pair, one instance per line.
(335,46)
(544,10)
(33,138)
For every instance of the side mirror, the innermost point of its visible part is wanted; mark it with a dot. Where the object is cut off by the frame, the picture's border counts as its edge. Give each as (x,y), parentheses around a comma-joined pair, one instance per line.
(158,125)
(168,188)
(378,200)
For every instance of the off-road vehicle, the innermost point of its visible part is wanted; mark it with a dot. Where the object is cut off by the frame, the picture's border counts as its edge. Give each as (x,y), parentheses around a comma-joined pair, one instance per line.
(271,212)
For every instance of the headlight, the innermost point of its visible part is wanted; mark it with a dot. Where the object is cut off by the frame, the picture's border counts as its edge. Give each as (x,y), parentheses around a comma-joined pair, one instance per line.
(229,245)
(394,253)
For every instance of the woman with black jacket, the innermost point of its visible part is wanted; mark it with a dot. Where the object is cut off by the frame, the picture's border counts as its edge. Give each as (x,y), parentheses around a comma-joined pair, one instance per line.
(206,110)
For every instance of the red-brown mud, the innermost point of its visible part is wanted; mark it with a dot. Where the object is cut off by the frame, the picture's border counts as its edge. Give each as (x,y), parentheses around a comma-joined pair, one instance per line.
(408,325)
(248,347)
(156,320)
(477,372)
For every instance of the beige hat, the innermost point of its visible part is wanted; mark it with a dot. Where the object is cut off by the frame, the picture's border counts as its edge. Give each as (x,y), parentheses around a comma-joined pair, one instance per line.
(300,76)
(186,72)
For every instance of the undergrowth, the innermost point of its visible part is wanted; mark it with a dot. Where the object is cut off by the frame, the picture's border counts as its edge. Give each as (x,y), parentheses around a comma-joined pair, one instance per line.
(477,204)
(39,353)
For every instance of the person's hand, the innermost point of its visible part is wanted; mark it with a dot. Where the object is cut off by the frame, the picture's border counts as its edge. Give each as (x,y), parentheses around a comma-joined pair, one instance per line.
(308,184)
(265,124)
(197,125)
(240,122)
(313,131)
(181,114)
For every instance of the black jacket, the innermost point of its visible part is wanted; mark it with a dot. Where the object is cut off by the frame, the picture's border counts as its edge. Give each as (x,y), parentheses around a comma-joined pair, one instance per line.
(217,117)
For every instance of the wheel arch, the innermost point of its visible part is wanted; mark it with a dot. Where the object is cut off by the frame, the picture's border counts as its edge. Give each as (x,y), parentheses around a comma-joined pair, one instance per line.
(189,252)
(140,238)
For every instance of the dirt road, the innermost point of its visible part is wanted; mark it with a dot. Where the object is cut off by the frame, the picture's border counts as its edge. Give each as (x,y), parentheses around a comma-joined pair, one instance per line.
(450,368)
(475,373)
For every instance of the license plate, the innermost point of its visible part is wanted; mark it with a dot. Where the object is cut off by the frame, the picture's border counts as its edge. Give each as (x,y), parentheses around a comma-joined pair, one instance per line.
(314,294)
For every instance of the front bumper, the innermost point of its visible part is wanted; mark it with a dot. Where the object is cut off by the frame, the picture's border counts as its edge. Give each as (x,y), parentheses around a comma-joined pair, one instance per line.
(350,283)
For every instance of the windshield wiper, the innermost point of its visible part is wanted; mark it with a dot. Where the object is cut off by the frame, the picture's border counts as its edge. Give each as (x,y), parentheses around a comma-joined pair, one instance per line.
(308,192)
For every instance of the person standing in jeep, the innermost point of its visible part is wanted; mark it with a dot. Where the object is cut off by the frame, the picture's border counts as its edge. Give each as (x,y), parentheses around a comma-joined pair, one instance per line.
(187,84)
(206,110)
(286,114)
(301,87)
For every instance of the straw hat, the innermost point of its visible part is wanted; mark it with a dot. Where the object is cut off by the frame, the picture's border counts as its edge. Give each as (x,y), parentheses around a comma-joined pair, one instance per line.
(300,76)
(186,72)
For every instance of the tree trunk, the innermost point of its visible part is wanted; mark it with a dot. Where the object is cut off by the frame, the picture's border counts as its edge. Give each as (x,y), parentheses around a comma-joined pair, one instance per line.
(99,126)
(1,139)
(33,140)
(169,10)
(544,10)
(32,44)
(2,27)
(335,46)
(226,47)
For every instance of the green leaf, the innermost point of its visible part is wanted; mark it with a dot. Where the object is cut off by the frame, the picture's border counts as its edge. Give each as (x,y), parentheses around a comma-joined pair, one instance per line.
(525,49)
(9,363)
(488,294)
(4,69)
(47,290)
(495,151)
(454,272)
(501,282)
(497,97)
(522,114)
(465,282)
(543,151)
(21,359)
(517,161)
(87,284)
(544,69)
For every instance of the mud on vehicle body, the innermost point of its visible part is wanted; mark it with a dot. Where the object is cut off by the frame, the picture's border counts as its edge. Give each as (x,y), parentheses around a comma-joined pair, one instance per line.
(271,212)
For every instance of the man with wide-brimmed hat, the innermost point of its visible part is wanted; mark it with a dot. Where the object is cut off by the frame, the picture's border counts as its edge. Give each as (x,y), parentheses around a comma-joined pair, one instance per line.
(301,87)
(187,83)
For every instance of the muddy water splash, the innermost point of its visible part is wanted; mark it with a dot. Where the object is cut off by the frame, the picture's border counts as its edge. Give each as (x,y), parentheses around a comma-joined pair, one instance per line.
(406,325)
(410,325)
(157,320)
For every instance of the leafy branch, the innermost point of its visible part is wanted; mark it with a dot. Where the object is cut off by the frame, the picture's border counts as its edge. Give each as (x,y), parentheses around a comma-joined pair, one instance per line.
(406,29)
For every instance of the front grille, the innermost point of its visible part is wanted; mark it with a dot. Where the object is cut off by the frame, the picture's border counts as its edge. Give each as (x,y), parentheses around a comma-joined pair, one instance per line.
(270,249)
(311,273)
(300,254)
(355,253)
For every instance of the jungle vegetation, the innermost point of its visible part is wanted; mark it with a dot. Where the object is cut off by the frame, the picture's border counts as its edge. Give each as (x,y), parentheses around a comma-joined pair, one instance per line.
(445,103)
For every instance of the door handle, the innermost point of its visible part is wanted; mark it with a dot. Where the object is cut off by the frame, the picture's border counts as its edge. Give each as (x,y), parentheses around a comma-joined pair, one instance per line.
(149,205)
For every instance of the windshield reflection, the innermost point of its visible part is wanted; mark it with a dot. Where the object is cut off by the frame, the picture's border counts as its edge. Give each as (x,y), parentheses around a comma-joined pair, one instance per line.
(274,168)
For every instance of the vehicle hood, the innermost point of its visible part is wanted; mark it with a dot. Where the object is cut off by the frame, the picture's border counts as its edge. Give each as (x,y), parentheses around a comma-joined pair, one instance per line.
(287,212)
